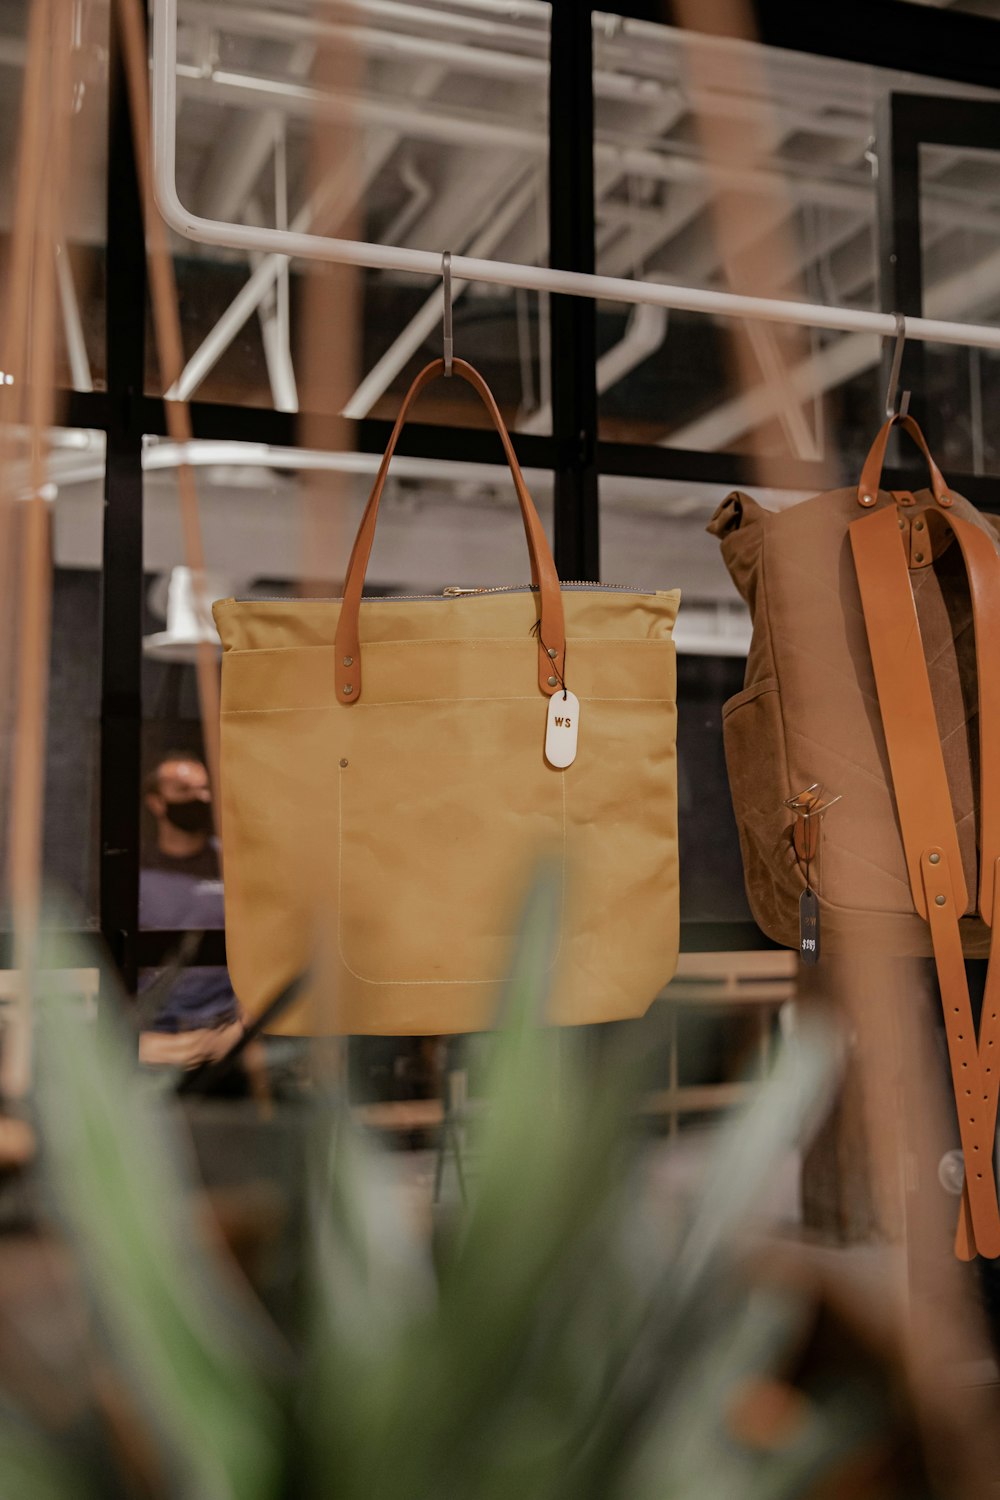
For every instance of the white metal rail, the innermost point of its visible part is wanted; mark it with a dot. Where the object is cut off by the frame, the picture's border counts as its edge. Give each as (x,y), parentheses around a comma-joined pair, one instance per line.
(287,242)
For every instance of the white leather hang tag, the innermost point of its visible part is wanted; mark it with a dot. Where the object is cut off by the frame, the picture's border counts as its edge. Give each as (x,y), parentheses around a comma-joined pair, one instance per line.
(562,729)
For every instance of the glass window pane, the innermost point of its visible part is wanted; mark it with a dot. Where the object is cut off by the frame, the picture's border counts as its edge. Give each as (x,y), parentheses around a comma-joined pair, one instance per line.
(960,247)
(433,126)
(735,166)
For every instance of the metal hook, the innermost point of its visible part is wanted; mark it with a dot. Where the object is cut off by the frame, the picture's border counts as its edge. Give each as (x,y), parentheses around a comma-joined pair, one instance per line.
(894,369)
(805,803)
(817,812)
(449,341)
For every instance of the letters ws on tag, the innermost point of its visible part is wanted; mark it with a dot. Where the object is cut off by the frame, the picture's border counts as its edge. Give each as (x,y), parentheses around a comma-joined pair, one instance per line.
(562,729)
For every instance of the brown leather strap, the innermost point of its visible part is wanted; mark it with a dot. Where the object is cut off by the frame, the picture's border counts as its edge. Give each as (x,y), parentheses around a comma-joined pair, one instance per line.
(989,1064)
(923,804)
(983,567)
(976,1120)
(871,474)
(552,631)
(920,782)
(979,553)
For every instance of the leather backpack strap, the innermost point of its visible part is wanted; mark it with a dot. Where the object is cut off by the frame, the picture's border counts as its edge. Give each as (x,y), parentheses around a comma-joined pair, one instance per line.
(552,630)
(930,840)
(871,474)
(982,565)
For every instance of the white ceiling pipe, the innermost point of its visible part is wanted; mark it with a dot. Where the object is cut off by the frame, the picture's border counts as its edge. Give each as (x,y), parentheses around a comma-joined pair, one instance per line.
(244,151)
(273,308)
(827,82)
(497,273)
(437,20)
(466,130)
(165,456)
(675,162)
(513,10)
(305,102)
(205,453)
(478,61)
(342,190)
(262,278)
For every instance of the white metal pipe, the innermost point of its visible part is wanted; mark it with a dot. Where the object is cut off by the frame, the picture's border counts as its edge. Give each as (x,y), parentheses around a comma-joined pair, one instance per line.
(496,273)
(247,299)
(421,15)
(343,187)
(450,128)
(485,62)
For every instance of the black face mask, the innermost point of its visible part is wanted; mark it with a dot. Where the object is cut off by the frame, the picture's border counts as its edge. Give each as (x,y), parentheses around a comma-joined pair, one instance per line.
(190,817)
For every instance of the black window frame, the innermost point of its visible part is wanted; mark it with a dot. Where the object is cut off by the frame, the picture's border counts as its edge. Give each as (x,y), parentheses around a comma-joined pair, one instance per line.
(885,33)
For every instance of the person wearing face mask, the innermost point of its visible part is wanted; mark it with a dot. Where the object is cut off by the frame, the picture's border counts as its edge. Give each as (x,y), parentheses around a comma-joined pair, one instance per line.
(180,889)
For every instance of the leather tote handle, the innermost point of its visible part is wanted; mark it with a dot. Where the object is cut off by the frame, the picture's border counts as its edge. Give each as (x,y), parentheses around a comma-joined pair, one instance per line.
(871,474)
(552,630)
(927,824)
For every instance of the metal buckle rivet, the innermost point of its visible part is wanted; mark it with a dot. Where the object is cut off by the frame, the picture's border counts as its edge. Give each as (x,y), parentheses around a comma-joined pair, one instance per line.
(348,687)
(939,900)
(919,525)
(343,765)
(935,859)
(553,681)
(919,557)
(348,661)
(553,652)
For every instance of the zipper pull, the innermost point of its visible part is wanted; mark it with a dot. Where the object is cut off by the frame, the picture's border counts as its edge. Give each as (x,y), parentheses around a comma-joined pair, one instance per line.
(453,591)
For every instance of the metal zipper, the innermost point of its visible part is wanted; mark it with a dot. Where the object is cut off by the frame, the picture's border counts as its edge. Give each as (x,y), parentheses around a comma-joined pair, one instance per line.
(454,591)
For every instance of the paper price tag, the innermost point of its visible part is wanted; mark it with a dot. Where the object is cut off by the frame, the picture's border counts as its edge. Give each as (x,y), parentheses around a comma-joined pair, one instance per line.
(562,729)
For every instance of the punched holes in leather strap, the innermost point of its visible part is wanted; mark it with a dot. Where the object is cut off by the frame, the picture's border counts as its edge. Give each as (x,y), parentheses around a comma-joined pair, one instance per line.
(974,1103)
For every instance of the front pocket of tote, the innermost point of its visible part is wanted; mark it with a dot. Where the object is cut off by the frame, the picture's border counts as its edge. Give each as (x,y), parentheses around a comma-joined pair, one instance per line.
(444,810)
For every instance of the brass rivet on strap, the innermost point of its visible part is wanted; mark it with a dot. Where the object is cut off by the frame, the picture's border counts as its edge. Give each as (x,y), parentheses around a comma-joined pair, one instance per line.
(919,525)
(919,557)
(902,524)
(348,687)
(935,859)
(867,499)
(939,900)
(348,661)
(343,765)
(553,681)
(553,652)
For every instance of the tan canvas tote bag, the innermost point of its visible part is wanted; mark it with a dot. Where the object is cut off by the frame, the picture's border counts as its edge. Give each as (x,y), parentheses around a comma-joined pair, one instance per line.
(874,677)
(386,794)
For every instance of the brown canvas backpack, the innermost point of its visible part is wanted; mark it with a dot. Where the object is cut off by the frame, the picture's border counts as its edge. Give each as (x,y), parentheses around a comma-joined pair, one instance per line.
(873,678)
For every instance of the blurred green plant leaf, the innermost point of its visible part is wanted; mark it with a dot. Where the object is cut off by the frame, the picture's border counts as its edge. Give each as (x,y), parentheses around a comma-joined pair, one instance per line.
(197,1356)
(32,1468)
